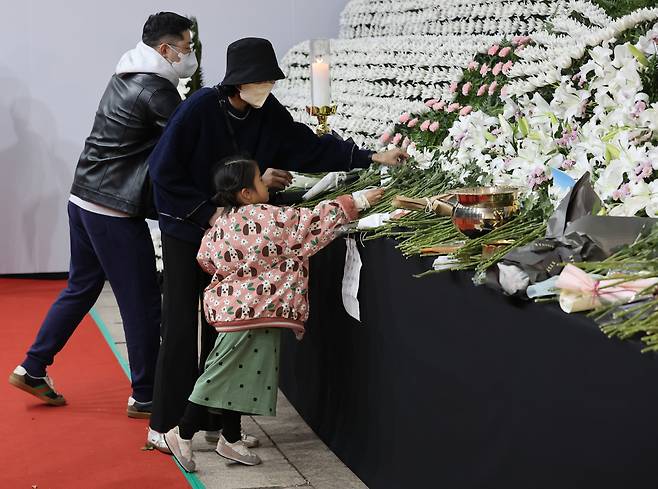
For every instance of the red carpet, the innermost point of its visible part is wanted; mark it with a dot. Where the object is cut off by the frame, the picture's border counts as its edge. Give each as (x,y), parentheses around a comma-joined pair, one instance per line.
(89,443)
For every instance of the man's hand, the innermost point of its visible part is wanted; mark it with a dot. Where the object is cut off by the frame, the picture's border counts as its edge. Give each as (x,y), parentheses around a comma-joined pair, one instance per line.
(215,216)
(392,157)
(277,179)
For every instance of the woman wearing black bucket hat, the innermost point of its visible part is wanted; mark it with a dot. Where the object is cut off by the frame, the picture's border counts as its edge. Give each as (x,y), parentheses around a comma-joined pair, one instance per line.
(240,115)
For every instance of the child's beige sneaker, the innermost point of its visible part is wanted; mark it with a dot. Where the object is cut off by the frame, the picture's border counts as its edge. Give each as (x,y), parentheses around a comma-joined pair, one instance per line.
(237,452)
(181,449)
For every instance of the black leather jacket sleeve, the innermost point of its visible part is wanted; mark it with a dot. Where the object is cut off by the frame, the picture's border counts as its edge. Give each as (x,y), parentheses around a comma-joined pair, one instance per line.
(161,105)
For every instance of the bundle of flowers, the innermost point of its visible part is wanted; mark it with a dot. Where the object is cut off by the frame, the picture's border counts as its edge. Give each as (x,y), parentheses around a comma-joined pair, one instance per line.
(638,261)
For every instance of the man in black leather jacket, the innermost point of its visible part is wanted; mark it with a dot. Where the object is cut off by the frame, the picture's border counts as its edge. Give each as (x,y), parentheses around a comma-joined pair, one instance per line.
(110,198)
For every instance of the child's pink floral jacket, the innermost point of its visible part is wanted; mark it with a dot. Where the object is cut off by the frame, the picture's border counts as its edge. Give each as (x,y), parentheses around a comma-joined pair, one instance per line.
(258,255)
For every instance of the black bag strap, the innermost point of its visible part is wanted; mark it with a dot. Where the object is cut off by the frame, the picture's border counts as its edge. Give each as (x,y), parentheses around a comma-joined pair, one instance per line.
(229,126)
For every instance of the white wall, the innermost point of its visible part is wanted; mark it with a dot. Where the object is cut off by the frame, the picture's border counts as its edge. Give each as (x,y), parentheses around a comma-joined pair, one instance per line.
(55,61)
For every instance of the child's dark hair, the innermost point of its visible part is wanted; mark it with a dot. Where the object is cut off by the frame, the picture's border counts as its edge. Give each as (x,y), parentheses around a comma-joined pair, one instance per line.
(231,175)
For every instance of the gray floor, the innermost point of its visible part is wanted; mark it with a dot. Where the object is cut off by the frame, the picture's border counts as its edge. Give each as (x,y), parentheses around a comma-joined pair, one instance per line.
(292,454)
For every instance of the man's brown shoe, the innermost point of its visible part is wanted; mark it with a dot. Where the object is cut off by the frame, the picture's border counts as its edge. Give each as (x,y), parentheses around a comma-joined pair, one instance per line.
(40,387)
(139,410)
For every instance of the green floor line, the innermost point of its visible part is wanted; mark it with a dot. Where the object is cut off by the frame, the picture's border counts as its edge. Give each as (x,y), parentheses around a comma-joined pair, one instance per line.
(192,479)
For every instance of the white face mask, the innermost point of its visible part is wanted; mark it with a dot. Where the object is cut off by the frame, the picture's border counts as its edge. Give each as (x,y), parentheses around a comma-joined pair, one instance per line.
(255,94)
(186,65)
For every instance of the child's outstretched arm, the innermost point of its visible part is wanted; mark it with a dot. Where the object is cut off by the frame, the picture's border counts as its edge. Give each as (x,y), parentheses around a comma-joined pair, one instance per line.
(307,231)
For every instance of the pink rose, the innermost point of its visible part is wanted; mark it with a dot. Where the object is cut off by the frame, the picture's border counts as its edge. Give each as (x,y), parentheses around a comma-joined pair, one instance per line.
(453,87)
(405,143)
(404,118)
(482,89)
(504,52)
(466,110)
(484,69)
(413,122)
(434,126)
(493,50)
(492,87)
(452,107)
(439,105)
(507,67)
(425,126)
(430,102)
(473,65)
(396,138)
(503,91)
(497,69)
(466,88)
(384,138)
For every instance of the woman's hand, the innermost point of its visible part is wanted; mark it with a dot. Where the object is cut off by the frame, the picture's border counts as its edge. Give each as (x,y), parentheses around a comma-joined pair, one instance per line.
(374,195)
(392,157)
(277,179)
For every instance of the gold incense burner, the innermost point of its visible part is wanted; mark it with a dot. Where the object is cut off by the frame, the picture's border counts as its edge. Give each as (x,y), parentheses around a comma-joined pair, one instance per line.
(475,211)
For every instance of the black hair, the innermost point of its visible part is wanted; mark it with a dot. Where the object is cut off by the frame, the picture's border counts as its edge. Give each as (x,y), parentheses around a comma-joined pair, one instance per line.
(231,175)
(164,26)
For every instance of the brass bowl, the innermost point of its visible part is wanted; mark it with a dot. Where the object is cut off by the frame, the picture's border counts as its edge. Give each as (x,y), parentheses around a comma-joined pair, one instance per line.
(487,196)
(475,221)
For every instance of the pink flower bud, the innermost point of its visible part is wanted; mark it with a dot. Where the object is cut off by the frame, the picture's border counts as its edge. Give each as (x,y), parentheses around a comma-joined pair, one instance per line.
(504,52)
(484,69)
(473,65)
(413,122)
(466,88)
(434,126)
(439,105)
(492,87)
(453,87)
(452,107)
(385,137)
(397,138)
(466,110)
(430,102)
(482,90)
(405,143)
(493,50)
(497,69)
(507,67)
(504,91)
(425,126)
(404,118)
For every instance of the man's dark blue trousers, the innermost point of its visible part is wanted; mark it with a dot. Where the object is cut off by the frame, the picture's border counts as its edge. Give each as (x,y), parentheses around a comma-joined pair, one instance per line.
(121,250)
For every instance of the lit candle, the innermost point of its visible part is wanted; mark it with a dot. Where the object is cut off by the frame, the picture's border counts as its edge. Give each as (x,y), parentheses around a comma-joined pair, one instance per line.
(321,92)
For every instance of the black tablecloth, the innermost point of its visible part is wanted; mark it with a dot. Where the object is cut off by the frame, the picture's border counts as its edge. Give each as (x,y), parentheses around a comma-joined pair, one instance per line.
(448,385)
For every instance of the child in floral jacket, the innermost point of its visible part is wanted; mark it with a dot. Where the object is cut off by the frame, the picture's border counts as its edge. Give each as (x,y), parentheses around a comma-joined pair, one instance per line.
(258,256)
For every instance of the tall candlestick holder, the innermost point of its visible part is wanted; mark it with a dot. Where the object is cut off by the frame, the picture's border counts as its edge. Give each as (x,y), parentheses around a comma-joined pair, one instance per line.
(322,113)
(320,64)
